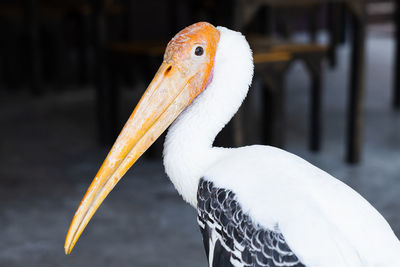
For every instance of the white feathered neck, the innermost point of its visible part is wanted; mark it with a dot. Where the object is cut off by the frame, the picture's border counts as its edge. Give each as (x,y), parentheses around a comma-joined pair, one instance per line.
(188,150)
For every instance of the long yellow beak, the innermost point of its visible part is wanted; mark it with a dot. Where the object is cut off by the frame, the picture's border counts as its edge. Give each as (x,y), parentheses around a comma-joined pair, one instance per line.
(165,98)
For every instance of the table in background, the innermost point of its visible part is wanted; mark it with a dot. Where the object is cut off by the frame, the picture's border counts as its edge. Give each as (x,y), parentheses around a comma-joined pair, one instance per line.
(245,10)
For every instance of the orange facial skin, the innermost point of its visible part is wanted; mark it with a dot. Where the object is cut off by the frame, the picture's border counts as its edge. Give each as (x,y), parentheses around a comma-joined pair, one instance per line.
(181,77)
(180,53)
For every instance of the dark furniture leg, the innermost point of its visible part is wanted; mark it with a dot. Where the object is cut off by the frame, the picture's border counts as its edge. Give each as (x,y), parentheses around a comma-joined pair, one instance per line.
(106,97)
(114,100)
(238,133)
(316,107)
(173,18)
(266,21)
(342,22)
(356,86)
(313,21)
(273,101)
(128,20)
(35,57)
(334,32)
(396,89)
(268,122)
(84,43)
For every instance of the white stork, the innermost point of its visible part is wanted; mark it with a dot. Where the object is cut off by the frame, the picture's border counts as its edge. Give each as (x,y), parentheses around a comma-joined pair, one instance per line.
(257,205)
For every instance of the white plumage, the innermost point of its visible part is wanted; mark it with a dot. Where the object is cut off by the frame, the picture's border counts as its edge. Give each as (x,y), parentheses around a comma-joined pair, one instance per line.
(325,222)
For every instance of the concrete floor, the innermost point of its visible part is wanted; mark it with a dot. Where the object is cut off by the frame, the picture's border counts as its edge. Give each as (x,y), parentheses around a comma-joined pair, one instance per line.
(49,156)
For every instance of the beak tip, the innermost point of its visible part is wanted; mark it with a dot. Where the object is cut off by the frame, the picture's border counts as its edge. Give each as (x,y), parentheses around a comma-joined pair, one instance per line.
(67,250)
(68,247)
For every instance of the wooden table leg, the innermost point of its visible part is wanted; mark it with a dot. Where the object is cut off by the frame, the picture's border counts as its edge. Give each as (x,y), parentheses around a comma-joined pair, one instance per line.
(273,130)
(114,98)
(35,56)
(106,95)
(173,27)
(334,32)
(356,86)
(316,105)
(106,101)
(238,129)
(128,19)
(266,22)
(83,46)
(313,22)
(396,88)
(342,23)
(268,122)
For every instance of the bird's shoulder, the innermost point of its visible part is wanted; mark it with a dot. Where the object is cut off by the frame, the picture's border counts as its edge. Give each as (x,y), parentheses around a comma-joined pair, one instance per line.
(267,170)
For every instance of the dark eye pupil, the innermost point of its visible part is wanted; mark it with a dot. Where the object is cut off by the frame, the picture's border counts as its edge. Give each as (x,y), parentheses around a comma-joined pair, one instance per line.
(199,51)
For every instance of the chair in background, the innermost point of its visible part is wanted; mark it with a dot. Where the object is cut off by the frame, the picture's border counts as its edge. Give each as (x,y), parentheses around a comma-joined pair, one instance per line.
(246,10)
(272,75)
(311,54)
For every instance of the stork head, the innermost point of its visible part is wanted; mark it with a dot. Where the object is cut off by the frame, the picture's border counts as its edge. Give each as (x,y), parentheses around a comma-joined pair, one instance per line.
(185,72)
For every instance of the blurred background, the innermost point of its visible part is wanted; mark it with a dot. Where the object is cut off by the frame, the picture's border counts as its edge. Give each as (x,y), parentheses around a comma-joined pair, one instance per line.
(326,87)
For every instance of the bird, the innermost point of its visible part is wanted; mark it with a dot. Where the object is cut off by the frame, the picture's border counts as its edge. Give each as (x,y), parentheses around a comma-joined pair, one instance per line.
(256,205)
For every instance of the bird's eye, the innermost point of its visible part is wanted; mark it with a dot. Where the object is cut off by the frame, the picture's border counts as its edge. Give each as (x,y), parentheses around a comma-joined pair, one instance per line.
(199,51)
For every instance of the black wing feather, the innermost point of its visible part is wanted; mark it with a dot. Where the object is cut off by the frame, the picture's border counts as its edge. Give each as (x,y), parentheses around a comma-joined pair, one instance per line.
(221,256)
(205,233)
(239,241)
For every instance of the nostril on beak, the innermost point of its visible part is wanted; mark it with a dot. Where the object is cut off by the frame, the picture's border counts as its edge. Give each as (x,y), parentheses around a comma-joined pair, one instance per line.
(168,70)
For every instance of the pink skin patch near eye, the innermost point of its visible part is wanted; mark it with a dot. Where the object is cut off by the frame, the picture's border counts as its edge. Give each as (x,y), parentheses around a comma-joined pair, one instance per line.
(210,77)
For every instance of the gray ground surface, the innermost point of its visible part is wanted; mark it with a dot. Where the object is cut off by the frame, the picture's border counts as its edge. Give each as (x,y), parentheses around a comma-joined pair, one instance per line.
(49,155)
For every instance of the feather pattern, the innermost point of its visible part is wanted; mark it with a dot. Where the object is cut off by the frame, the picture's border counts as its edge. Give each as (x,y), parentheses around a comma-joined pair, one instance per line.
(230,236)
